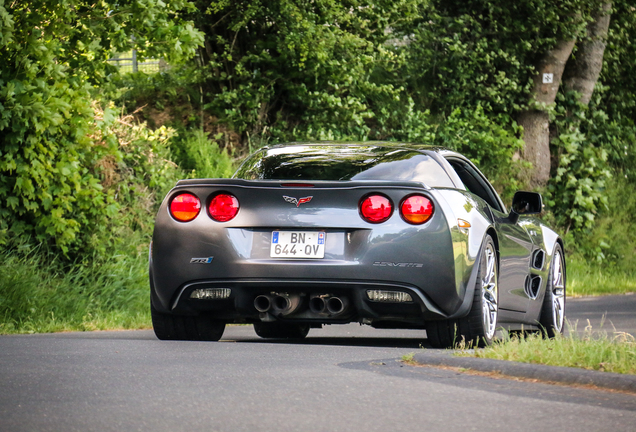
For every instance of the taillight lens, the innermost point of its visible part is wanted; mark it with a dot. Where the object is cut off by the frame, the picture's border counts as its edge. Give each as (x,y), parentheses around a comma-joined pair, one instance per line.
(417,209)
(223,207)
(376,208)
(185,207)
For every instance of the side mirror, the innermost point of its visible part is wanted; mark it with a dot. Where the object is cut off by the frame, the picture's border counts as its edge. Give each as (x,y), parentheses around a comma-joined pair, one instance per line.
(525,203)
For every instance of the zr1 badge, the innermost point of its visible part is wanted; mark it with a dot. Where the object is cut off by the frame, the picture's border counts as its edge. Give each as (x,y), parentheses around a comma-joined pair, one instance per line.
(207,260)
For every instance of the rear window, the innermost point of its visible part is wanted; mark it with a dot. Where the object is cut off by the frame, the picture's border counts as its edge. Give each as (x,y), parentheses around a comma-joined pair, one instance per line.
(361,162)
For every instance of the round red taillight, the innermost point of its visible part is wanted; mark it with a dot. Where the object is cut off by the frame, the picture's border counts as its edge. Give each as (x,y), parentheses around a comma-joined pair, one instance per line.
(223,207)
(376,208)
(185,207)
(417,209)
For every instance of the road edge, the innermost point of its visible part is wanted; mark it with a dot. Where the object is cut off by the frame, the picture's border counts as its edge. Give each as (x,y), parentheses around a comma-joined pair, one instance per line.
(558,374)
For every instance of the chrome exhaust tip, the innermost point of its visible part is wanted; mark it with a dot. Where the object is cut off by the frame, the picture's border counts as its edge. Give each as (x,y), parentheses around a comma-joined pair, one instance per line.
(262,303)
(317,305)
(335,305)
(282,303)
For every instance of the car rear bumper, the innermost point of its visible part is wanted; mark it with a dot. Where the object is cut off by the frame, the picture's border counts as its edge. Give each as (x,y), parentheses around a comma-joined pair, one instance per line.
(310,301)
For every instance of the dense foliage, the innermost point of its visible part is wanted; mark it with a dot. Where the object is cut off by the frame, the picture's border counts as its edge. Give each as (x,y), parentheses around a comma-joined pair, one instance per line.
(452,73)
(295,69)
(53,54)
(468,53)
(595,146)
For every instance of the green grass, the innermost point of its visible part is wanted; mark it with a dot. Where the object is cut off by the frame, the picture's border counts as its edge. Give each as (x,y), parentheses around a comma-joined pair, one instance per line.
(585,279)
(39,295)
(594,350)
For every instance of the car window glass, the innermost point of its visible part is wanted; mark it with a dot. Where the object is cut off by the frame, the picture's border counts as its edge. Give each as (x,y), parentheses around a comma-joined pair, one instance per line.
(366,162)
(475,183)
(420,168)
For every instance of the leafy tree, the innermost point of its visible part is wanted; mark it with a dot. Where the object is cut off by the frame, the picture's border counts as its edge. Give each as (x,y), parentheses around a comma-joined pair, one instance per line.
(299,69)
(618,87)
(490,55)
(594,123)
(457,73)
(53,53)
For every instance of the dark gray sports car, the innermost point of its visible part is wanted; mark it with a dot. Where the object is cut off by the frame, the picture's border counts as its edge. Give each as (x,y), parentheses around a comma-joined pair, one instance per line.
(386,234)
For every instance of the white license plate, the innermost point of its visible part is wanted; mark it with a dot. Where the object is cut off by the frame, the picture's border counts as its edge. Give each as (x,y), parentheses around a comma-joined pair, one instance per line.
(298,244)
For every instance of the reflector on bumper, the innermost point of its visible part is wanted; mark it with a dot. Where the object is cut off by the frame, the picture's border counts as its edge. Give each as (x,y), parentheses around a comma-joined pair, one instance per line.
(389,296)
(211,293)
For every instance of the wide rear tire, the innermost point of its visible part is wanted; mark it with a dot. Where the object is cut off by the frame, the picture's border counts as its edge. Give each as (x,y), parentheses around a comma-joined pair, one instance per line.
(479,326)
(277,330)
(179,327)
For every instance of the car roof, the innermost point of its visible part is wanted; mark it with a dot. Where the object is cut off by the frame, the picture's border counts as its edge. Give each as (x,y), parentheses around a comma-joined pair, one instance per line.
(380,144)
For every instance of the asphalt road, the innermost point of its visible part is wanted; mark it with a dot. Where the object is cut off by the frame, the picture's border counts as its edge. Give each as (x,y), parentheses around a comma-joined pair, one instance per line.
(342,378)
(609,314)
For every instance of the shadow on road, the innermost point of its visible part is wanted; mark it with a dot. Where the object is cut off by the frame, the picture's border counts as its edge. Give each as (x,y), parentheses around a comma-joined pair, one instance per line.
(346,341)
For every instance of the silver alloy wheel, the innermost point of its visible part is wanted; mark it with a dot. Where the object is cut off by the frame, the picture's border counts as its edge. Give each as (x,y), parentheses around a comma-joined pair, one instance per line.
(558,293)
(489,293)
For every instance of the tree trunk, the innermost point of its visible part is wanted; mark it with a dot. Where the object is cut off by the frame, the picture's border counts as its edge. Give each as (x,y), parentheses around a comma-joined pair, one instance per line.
(582,71)
(536,121)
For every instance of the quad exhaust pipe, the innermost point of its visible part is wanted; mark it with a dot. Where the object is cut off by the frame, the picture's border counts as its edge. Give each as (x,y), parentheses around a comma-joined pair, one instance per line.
(317,305)
(283,304)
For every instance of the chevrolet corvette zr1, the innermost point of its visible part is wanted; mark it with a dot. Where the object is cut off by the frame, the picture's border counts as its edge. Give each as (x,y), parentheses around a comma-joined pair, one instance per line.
(385,234)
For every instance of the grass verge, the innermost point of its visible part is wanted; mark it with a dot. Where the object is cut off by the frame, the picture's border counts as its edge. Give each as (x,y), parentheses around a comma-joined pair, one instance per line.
(589,279)
(594,350)
(39,295)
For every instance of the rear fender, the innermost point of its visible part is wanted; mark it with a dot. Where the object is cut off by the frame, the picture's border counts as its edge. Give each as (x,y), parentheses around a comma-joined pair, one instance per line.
(467,242)
(465,307)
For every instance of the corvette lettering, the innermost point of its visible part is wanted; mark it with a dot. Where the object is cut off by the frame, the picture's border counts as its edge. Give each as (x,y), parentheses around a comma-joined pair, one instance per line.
(398,264)
(297,201)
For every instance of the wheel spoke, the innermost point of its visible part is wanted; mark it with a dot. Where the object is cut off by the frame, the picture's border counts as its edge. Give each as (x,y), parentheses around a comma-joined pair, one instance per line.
(558,314)
(490,295)
(557,274)
(490,269)
(557,291)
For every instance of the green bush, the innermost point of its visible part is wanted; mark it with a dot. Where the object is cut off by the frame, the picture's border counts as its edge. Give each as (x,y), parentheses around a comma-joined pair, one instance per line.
(195,152)
(577,192)
(610,242)
(488,142)
(53,53)
(174,95)
(136,174)
(289,70)
(105,286)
